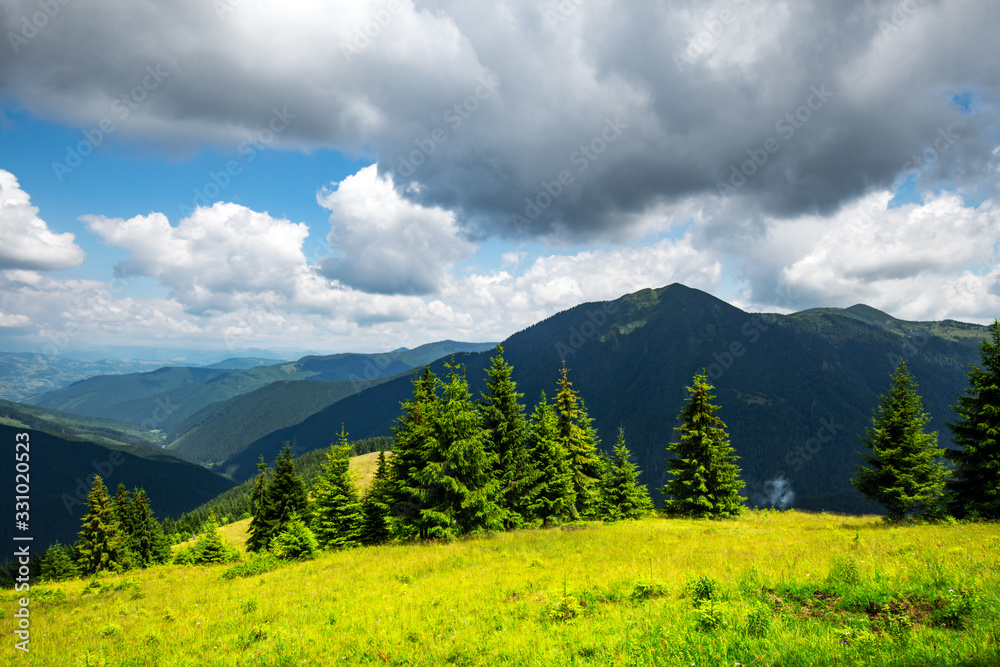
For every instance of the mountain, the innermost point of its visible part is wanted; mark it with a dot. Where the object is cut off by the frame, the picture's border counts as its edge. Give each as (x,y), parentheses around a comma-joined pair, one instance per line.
(243,363)
(795,390)
(24,374)
(58,475)
(162,399)
(223,429)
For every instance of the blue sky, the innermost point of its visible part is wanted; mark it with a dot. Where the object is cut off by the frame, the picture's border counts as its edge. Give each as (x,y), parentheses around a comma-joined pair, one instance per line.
(462,170)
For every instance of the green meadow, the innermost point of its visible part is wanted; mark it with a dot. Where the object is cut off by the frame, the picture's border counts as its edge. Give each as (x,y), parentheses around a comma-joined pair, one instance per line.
(769,588)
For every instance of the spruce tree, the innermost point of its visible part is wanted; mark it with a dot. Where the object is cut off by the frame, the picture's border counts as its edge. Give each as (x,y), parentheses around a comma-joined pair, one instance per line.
(553,501)
(578,438)
(503,418)
(260,520)
(621,495)
(295,541)
(148,541)
(336,516)
(211,547)
(706,479)
(57,563)
(415,439)
(102,545)
(375,507)
(905,472)
(975,490)
(286,495)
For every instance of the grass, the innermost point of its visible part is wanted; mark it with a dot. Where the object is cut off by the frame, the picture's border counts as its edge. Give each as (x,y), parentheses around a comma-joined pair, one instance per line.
(788,589)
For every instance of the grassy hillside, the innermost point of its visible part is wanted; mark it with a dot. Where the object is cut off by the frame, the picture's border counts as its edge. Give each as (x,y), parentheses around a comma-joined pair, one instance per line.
(223,429)
(783,382)
(790,590)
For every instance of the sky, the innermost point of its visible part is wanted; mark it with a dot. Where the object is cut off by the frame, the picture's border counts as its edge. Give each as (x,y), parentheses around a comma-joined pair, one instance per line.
(367,175)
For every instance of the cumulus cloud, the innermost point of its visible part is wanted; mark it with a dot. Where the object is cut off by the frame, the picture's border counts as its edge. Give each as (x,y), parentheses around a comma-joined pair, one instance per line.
(387,244)
(693,88)
(25,239)
(211,257)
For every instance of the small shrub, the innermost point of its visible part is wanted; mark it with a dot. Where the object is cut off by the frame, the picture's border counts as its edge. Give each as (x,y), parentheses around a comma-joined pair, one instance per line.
(758,621)
(955,608)
(111,630)
(295,542)
(645,590)
(702,589)
(566,608)
(259,564)
(844,571)
(708,617)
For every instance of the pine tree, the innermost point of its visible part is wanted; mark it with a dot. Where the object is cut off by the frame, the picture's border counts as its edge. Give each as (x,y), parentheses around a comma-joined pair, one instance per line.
(148,541)
(706,479)
(463,466)
(905,472)
(260,520)
(503,418)
(375,507)
(975,490)
(295,541)
(415,438)
(578,438)
(57,564)
(101,546)
(336,516)
(554,498)
(286,495)
(621,495)
(211,547)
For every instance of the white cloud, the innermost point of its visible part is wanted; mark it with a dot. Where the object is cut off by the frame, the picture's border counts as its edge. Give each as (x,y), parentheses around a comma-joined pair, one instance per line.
(387,244)
(25,239)
(213,258)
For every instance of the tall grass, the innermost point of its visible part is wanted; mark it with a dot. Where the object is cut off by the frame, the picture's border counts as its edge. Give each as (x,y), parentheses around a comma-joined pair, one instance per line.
(768,589)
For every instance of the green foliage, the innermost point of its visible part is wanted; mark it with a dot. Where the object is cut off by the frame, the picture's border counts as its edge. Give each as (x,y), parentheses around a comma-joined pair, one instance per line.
(102,545)
(295,541)
(260,527)
(905,472)
(554,498)
(757,622)
(375,507)
(414,443)
(57,563)
(336,508)
(576,435)
(258,564)
(565,608)
(956,607)
(706,479)
(212,548)
(975,489)
(503,419)
(621,495)
(276,500)
(702,589)
(844,571)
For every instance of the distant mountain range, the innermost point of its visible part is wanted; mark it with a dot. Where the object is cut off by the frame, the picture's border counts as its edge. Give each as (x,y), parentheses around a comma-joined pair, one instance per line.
(795,390)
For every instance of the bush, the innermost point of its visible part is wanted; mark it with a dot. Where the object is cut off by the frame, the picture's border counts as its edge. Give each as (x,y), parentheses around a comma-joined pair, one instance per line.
(296,541)
(259,564)
(844,571)
(758,620)
(702,589)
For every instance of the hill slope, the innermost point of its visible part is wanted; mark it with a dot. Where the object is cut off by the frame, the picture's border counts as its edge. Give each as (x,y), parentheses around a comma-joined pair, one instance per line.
(795,390)
(59,480)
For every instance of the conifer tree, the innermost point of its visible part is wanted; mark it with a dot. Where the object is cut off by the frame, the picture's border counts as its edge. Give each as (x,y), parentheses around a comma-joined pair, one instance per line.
(57,564)
(975,490)
(578,438)
(503,418)
(101,546)
(554,498)
(415,438)
(148,541)
(286,495)
(260,519)
(336,516)
(375,507)
(621,495)
(905,472)
(706,481)
(295,541)
(211,547)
